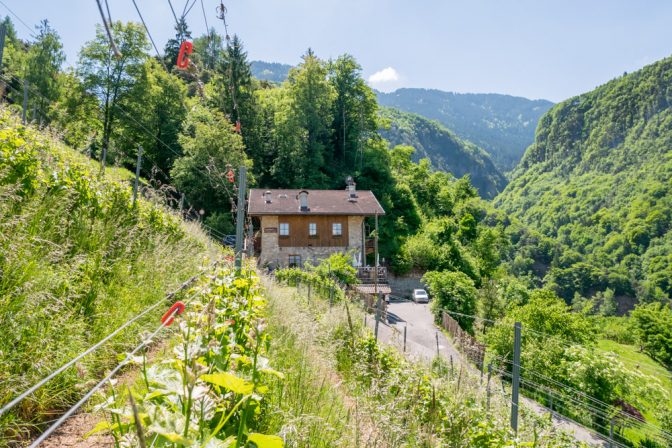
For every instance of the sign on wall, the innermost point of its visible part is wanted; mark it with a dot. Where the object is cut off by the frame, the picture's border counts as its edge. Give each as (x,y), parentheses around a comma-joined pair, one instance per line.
(270,230)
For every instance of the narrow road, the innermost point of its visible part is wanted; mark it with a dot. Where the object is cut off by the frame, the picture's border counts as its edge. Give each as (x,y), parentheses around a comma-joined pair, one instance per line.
(421,343)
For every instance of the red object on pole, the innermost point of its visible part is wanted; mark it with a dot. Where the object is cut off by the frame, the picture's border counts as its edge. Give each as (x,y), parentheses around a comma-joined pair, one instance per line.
(237,128)
(182,58)
(230,176)
(169,317)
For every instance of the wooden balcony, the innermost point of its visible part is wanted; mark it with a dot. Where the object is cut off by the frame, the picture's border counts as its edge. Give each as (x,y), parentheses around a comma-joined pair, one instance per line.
(367,274)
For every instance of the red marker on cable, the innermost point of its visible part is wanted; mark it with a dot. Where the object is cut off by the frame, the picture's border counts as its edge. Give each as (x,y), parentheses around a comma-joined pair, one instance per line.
(169,317)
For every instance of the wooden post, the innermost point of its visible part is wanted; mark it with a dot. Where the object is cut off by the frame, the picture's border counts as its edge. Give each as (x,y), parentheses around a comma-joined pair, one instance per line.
(405,328)
(240,217)
(3,32)
(25,101)
(137,175)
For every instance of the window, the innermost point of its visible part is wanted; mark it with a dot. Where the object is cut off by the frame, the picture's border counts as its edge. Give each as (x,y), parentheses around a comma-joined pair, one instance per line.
(337,229)
(284,229)
(294,261)
(312,229)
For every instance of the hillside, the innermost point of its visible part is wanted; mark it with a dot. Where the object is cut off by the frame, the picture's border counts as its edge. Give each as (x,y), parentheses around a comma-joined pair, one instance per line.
(77,259)
(446,151)
(597,180)
(269,71)
(503,125)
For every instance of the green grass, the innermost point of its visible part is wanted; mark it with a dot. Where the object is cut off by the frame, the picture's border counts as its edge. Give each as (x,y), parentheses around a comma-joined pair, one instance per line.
(77,259)
(635,360)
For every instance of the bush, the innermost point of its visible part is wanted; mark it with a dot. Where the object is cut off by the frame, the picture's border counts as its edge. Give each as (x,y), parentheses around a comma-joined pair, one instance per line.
(452,291)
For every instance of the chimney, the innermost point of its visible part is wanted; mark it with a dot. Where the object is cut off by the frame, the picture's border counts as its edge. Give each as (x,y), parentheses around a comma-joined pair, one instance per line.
(352,191)
(267,196)
(303,200)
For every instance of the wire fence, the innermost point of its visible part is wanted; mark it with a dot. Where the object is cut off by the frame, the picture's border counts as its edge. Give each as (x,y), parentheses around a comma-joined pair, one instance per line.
(603,422)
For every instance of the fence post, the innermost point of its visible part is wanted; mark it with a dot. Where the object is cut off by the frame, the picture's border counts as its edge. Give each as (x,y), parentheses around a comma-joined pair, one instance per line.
(451,367)
(515,378)
(240,217)
(137,175)
(436,335)
(405,328)
(487,387)
(377,314)
(309,288)
(611,432)
(25,101)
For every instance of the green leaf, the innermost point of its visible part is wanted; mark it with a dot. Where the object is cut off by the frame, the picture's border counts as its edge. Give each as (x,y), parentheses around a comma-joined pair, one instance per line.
(101,426)
(230,382)
(264,441)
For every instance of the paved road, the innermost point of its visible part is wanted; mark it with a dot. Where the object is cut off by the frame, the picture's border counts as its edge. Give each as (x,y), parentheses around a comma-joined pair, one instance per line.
(421,339)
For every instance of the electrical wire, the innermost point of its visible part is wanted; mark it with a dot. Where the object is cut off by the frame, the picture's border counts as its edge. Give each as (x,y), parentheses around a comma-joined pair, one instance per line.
(30,30)
(93,348)
(98,386)
(151,39)
(116,51)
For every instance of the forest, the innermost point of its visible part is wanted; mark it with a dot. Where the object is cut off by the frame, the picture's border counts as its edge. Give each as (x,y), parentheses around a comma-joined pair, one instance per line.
(577,246)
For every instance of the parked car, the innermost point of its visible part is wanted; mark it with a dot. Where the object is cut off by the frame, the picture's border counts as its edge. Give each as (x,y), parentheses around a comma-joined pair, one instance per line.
(420,296)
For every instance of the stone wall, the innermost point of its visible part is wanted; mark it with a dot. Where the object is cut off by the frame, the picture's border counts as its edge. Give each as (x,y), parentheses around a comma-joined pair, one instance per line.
(404,285)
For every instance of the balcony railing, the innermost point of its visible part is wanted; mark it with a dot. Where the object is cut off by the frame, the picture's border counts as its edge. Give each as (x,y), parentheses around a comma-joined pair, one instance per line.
(367,274)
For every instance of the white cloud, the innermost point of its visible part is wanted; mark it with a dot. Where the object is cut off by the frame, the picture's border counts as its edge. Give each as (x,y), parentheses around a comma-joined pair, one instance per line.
(386,75)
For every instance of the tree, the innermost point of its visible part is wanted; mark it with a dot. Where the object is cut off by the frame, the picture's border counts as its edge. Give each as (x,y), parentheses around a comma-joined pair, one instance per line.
(209,49)
(452,291)
(157,101)
(172,48)
(110,78)
(354,112)
(210,147)
(43,64)
(653,324)
(312,99)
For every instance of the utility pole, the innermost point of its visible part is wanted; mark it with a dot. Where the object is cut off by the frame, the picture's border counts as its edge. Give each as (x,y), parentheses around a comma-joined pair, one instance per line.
(375,276)
(137,175)
(25,101)
(240,217)
(515,382)
(3,31)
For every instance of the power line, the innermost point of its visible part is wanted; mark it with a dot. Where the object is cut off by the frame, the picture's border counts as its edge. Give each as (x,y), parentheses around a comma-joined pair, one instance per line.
(98,386)
(116,51)
(93,348)
(30,30)
(158,54)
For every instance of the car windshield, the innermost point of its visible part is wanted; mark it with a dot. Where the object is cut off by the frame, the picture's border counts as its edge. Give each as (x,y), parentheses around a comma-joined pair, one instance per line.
(420,292)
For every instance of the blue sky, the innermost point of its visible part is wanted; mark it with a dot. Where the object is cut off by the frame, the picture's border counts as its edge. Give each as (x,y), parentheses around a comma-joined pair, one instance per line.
(532,48)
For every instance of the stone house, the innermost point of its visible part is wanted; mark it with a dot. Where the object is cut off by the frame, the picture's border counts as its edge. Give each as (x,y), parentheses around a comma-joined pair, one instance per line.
(296,226)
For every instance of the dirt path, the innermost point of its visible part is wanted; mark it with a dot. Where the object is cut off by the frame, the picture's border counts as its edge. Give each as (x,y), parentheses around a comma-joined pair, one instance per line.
(421,342)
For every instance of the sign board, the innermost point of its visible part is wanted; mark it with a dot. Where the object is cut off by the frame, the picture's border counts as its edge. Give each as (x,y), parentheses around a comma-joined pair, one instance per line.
(270,230)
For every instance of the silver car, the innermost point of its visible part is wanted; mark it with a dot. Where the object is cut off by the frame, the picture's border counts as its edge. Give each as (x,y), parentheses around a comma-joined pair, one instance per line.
(420,296)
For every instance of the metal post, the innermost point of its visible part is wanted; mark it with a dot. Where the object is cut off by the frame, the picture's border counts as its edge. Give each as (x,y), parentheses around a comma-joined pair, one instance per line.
(3,31)
(375,276)
(240,216)
(25,101)
(405,328)
(437,343)
(378,303)
(137,175)
(515,382)
(181,203)
(611,432)
(309,288)
(487,387)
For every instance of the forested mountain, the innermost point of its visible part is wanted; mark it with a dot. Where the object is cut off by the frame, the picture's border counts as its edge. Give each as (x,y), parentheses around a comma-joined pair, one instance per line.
(503,125)
(270,71)
(446,151)
(597,180)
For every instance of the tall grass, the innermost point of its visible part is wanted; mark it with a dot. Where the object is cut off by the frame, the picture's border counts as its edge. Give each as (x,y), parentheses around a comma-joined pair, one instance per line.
(77,259)
(395,402)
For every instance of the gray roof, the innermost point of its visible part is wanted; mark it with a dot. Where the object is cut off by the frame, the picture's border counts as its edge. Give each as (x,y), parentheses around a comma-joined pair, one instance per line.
(320,202)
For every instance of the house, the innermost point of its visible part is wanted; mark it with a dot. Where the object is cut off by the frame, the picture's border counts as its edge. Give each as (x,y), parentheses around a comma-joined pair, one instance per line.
(295,226)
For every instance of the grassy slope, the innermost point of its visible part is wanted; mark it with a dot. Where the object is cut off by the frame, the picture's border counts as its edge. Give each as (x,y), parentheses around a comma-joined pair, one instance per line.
(76,261)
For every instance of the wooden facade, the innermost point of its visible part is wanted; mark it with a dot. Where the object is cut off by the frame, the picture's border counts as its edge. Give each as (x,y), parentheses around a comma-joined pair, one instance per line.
(299,231)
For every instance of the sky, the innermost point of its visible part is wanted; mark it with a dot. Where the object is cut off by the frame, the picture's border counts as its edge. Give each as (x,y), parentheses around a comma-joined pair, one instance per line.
(531,48)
